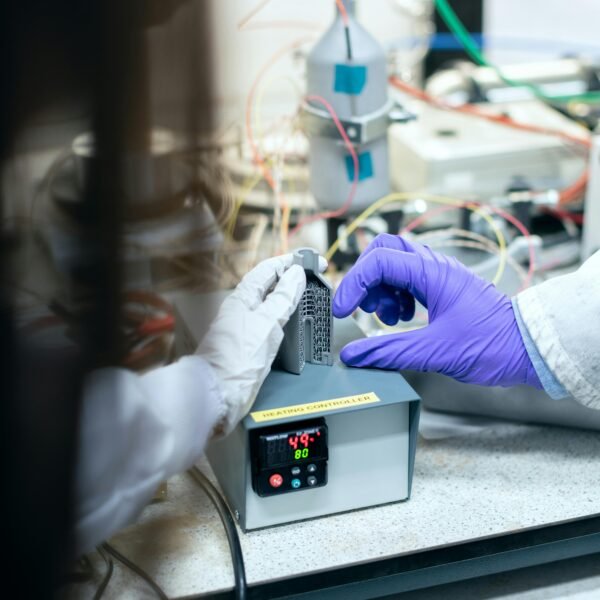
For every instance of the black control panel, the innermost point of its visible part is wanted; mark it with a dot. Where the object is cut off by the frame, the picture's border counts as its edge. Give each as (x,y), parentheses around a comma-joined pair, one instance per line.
(289,458)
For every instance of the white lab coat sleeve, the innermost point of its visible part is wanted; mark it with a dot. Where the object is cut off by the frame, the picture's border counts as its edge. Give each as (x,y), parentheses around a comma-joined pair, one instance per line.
(137,431)
(562,317)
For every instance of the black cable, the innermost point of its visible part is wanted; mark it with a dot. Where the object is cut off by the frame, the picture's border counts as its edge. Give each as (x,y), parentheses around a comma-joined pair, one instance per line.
(109,571)
(237,557)
(348,42)
(136,569)
(82,571)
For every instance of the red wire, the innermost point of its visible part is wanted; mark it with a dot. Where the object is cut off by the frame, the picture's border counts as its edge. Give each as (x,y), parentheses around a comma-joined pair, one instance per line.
(348,203)
(157,325)
(258,159)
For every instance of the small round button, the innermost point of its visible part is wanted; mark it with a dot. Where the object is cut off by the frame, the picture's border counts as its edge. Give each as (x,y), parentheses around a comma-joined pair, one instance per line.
(295,470)
(296,483)
(275,480)
(312,480)
(312,468)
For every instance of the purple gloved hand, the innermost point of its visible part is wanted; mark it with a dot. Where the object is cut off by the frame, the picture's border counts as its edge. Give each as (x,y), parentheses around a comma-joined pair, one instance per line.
(472,334)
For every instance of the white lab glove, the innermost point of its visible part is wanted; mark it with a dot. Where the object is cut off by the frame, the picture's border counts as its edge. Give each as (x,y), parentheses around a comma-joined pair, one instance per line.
(243,341)
(139,430)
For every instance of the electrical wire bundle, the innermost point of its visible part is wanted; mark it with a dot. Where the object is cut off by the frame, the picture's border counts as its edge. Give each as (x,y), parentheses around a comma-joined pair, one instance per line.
(570,194)
(448,204)
(471,47)
(567,196)
(149,321)
(107,553)
(454,237)
(263,164)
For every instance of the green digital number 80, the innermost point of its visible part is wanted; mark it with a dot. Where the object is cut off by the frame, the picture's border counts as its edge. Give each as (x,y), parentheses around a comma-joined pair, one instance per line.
(301,453)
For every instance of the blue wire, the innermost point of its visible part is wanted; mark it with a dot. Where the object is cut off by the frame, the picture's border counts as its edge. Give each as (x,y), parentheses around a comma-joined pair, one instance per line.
(446,42)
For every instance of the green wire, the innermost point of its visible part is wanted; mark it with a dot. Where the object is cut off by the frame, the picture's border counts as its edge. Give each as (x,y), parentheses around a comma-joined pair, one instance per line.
(456,26)
(460,32)
(585,97)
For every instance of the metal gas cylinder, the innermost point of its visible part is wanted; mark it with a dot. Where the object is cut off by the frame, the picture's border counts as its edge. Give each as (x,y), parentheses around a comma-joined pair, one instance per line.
(352,78)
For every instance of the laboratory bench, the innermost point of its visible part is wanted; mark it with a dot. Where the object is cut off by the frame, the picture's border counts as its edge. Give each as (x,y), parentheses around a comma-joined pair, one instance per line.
(504,498)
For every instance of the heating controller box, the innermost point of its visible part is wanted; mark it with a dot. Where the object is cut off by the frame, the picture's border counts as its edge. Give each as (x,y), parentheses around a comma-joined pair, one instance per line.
(330,440)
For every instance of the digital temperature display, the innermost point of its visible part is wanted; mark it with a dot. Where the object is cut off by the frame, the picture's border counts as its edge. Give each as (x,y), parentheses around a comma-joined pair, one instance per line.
(302,444)
(309,443)
(289,458)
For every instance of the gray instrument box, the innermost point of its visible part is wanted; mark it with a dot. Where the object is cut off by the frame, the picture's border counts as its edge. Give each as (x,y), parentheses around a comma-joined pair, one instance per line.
(371,419)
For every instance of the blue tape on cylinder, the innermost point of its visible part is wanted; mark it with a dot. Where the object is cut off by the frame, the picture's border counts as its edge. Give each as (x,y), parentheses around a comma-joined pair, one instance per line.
(350,79)
(365,166)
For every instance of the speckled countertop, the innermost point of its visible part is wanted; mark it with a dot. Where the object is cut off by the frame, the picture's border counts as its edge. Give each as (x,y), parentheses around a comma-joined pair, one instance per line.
(492,482)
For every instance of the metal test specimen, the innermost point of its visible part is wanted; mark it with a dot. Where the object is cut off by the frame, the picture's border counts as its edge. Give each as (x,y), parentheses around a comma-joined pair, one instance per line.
(308,333)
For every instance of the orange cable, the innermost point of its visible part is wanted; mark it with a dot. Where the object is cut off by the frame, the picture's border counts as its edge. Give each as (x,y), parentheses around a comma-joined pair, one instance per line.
(568,194)
(343,12)
(257,157)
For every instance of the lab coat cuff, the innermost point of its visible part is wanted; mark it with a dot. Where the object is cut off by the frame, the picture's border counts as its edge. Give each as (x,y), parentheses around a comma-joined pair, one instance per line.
(551,385)
(188,397)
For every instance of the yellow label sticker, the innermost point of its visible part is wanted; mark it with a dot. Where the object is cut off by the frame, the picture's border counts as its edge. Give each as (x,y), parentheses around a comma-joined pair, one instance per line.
(300,410)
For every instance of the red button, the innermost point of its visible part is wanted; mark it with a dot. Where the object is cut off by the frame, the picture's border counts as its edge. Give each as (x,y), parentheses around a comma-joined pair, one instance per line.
(276,480)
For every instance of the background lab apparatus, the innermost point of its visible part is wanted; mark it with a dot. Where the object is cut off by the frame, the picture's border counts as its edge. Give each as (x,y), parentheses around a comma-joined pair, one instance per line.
(348,69)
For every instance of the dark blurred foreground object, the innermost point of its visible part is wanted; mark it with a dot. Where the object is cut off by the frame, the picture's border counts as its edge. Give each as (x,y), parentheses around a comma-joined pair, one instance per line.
(91,55)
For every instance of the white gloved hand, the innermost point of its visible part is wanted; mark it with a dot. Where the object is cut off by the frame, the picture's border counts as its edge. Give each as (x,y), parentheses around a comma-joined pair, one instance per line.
(243,341)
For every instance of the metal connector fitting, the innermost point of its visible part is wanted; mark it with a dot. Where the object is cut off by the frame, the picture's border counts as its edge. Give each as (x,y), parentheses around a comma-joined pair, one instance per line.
(360,130)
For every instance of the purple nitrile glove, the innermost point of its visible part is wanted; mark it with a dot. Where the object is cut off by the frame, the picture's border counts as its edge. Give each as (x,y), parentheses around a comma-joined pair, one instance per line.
(472,334)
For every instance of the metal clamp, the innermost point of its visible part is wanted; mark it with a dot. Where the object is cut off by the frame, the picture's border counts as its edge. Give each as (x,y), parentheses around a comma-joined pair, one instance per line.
(360,130)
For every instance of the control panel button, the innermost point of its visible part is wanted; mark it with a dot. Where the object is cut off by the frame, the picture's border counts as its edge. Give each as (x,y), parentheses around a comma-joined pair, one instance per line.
(276,480)
(295,470)
(312,480)
(312,468)
(296,483)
